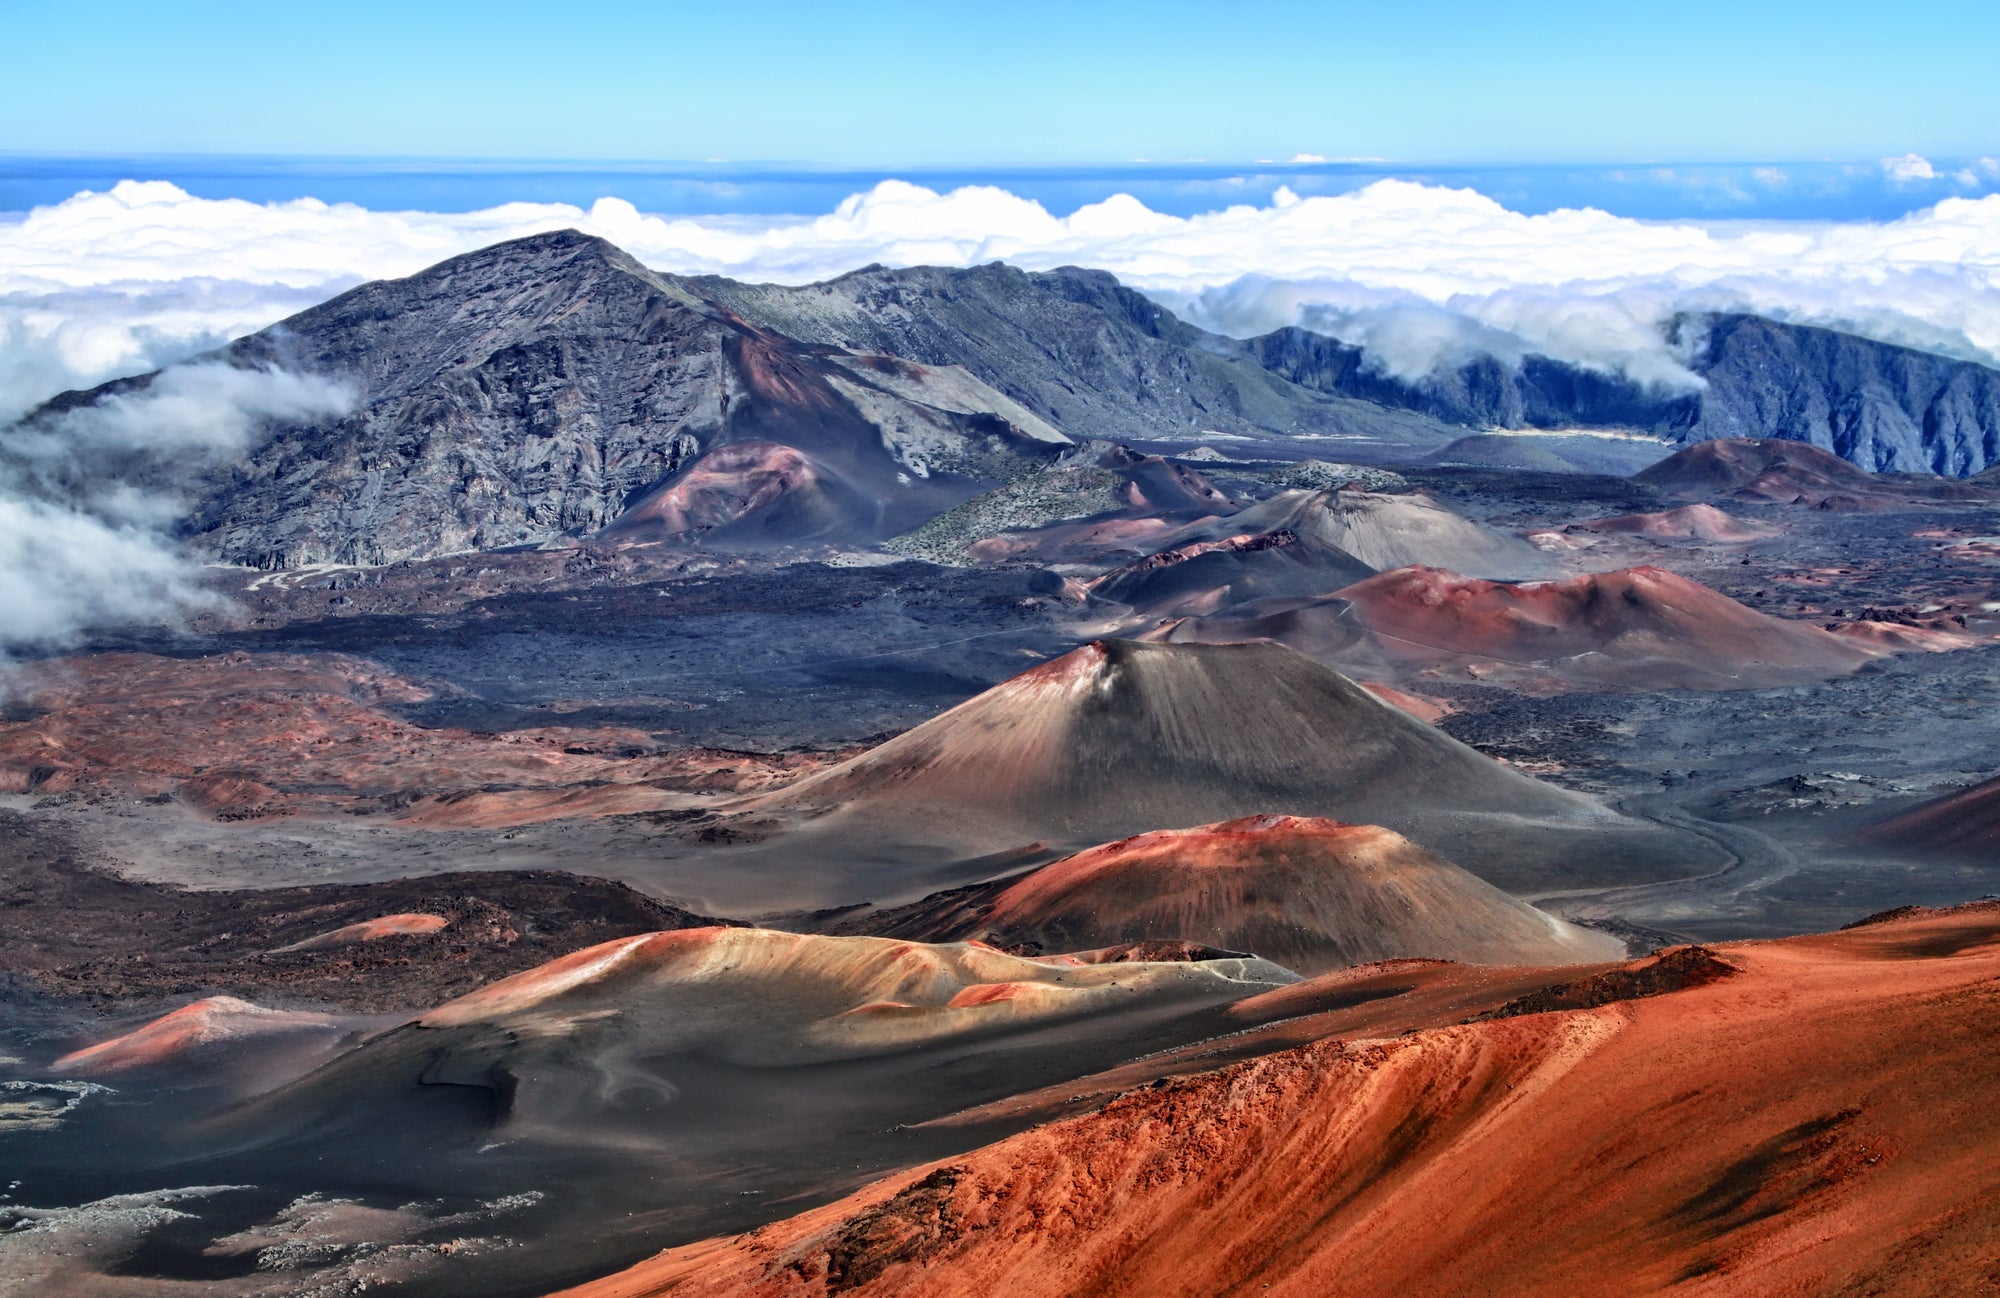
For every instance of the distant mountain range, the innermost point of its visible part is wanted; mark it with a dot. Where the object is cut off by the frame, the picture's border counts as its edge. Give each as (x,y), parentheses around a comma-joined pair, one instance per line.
(552,386)
(1882,407)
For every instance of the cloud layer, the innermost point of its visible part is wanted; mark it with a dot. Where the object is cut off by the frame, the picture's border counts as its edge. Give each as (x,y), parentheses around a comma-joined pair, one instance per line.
(116,282)
(113,283)
(89,499)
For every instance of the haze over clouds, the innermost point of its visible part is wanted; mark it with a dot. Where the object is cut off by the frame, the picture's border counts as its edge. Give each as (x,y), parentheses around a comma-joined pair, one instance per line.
(118,282)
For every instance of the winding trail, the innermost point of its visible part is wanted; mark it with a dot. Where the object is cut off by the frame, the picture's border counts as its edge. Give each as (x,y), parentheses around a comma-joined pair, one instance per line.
(1755,861)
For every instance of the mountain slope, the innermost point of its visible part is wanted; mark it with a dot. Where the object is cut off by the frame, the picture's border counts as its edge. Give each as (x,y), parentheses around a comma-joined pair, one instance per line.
(652,1042)
(1777,471)
(1309,894)
(1118,738)
(1078,348)
(1812,1115)
(1384,531)
(1966,822)
(542,387)
(1086,352)
(1203,576)
(1637,628)
(1877,405)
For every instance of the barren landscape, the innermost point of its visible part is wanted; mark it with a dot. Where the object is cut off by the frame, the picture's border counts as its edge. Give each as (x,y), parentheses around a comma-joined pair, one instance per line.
(683,786)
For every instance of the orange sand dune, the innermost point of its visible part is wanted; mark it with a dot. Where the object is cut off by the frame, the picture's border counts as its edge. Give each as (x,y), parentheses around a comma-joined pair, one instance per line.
(181,1036)
(1310,894)
(370,930)
(1688,523)
(1638,628)
(245,736)
(1814,1115)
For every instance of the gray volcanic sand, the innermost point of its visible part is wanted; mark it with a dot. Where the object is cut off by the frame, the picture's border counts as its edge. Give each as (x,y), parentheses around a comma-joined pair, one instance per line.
(1119,738)
(825,655)
(1770,785)
(662,1132)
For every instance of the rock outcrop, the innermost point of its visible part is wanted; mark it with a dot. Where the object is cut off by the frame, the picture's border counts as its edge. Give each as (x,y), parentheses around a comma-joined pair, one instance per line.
(1075,346)
(544,387)
(1306,893)
(550,386)
(1874,404)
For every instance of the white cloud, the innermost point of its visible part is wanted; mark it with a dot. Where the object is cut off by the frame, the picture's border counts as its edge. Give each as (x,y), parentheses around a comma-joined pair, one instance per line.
(116,282)
(62,572)
(1307,159)
(1909,169)
(89,498)
(109,283)
(120,282)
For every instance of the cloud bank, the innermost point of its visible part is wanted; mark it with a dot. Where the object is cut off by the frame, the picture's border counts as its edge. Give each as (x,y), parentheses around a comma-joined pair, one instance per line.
(143,275)
(120,281)
(89,498)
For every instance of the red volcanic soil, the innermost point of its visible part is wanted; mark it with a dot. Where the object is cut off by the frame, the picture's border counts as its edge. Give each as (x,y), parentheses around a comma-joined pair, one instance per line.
(245,736)
(1774,471)
(1423,709)
(1967,821)
(1937,635)
(184,1034)
(729,485)
(1638,628)
(1381,531)
(1118,738)
(1815,1115)
(1309,894)
(373,930)
(1204,576)
(1688,523)
(1095,540)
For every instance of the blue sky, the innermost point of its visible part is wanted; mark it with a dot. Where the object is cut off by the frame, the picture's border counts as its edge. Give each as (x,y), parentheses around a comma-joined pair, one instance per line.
(897,85)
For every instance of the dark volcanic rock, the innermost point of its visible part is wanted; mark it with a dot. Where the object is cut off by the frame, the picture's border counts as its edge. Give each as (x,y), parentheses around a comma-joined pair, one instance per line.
(1485,392)
(553,386)
(542,387)
(1081,350)
(1874,404)
(82,934)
